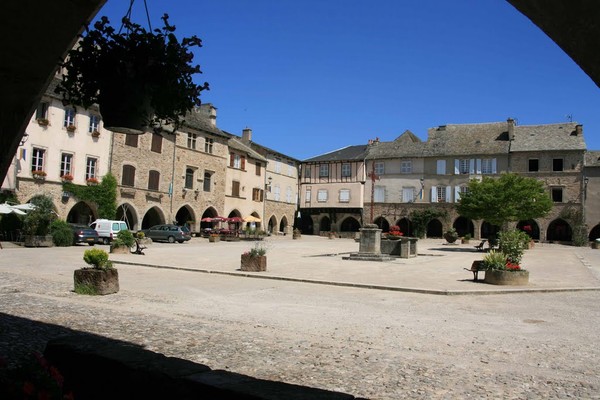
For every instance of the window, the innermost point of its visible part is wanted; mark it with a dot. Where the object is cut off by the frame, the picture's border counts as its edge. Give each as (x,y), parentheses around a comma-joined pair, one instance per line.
(128,176)
(307,196)
(408,194)
(379,194)
(235,189)
(288,194)
(346,170)
(557,164)
(66,163)
(290,168)
(257,194)
(189,178)
(276,192)
(156,143)
(207,180)
(379,168)
(258,167)
(278,165)
(41,113)
(463,166)
(306,172)
(344,195)
(131,140)
(37,159)
(322,195)
(441,167)
(191,140)
(557,195)
(90,167)
(237,161)
(487,166)
(94,123)
(324,171)
(459,191)
(440,195)
(534,165)
(69,117)
(153,180)
(208,145)
(406,167)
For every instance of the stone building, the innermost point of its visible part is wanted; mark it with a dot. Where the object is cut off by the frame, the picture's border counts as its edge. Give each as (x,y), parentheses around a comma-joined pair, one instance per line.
(591,193)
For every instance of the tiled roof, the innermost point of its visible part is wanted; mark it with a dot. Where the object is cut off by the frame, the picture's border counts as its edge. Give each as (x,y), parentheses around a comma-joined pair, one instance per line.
(238,145)
(467,139)
(196,119)
(349,153)
(547,137)
(592,159)
(405,145)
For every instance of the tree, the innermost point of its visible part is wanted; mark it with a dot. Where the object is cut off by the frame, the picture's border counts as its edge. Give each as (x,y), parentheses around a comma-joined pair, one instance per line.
(37,221)
(509,198)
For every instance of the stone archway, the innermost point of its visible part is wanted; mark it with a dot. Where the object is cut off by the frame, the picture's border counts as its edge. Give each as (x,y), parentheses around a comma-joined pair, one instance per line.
(325,224)
(435,229)
(272,224)
(126,212)
(81,213)
(306,224)
(210,212)
(594,233)
(559,230)
(488,230)
(350,224)
(531,228)
(464,226)
(153,216)
(283,225)
(405,226)
(382,224)
(185,217)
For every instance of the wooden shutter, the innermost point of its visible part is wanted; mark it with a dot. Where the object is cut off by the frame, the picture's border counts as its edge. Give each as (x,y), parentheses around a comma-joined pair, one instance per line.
(243,163)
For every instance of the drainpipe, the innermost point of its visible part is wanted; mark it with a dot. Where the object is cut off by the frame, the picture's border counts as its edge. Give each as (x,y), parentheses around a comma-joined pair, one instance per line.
(173,177)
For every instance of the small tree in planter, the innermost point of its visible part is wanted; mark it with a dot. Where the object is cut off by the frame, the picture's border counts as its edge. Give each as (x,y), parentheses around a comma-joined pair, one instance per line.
(99,278)
(139,78)
(451,235)
(36,224)
(255,259)
(123,242)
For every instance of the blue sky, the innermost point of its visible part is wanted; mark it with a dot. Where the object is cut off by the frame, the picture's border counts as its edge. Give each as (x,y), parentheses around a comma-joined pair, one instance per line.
(313,76)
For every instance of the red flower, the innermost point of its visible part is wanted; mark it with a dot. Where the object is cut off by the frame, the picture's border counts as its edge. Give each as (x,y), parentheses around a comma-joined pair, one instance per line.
(512,266)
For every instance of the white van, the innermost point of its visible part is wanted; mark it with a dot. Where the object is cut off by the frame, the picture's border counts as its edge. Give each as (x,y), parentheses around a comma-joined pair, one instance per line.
(107,229)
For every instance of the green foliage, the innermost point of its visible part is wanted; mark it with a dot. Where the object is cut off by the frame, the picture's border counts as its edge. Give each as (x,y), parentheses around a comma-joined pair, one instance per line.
(467,236)
(103,195)
(97,258)
(420,219)
(124,239)
(513,244)
(494,260)
(451,235)
(509,198)
(574,216)
(62,234)
(140,235)
(37,221)
(85,288)
(258,250)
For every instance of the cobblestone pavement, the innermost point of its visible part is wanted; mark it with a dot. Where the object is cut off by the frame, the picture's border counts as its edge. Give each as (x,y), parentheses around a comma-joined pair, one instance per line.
(369,343)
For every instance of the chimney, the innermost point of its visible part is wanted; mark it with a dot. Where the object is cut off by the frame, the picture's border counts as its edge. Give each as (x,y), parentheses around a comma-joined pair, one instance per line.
(511,128)
(209,111)
(579,130)
(247,135)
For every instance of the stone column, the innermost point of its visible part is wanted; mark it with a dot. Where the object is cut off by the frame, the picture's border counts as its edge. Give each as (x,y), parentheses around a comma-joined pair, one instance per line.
(370,239)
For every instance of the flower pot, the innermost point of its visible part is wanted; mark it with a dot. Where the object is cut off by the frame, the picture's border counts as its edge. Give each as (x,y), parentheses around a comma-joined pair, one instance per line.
(253,263)
(506,277)
(214,239)
(38,241)
(103,281)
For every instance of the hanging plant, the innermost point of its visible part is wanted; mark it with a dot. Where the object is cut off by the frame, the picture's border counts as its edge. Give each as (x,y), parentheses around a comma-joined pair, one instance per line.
(139,78)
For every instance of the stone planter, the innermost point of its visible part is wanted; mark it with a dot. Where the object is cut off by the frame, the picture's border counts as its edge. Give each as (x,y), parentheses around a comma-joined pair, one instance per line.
(596,244)
(104,281)
(214,239)
(504,277)
(331,235)
(253,263)
(464,241)
(119,250)
(38,241)
(450,238)
(296,235)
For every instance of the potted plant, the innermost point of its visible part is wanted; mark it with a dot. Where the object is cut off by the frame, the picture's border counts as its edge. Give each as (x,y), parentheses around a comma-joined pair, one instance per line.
(67,178)
(394,233)
(123,242)
(36,224)
(214,238)
(99,277)
(43,121)
(95,134)
(503,269)
(466,238)
(71,128)
(93,181)
(451,235)
(296,234)
(39,174)
(139,78)
(255,259)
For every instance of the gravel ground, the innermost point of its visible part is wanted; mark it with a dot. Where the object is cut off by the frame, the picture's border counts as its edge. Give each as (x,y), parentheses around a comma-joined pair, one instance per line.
(369,343)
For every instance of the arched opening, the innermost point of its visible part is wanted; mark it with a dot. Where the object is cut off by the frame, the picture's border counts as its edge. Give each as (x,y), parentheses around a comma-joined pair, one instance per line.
(489,231)
(206,220)
(464,226)
(81,213)
(325,224)
(530,227)
(125,212)
(405,226)
(306,224)
(185,217)
(434,229)
(595,233)
(283,225)
(350,224)
(272,224)
(153,216)
(560,231)
(382,224)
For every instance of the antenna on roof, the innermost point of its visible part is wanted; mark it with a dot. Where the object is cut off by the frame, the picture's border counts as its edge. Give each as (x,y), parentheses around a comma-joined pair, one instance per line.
(569,117)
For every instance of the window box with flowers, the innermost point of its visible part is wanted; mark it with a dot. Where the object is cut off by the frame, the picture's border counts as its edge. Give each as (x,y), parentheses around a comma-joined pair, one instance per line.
(39,174)
(67,178)
(96,134)
(42,122)
(254,260)
(92,181)
(71,128)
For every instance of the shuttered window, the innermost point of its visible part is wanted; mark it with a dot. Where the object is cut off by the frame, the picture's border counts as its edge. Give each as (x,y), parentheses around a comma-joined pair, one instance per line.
(156,143)
(128,178)
(153,180)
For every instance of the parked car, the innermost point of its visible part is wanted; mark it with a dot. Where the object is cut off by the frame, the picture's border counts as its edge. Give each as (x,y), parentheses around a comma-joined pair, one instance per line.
(108,229)
(168,232)
(84,234)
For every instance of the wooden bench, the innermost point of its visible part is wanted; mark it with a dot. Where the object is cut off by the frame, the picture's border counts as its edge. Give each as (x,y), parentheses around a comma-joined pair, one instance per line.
(479,247)
(139,247)
(475,268)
